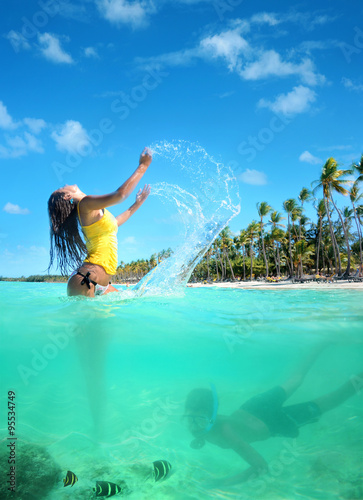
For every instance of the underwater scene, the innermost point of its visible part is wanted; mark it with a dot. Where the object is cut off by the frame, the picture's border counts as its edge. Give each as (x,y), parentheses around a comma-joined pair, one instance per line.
(100,389)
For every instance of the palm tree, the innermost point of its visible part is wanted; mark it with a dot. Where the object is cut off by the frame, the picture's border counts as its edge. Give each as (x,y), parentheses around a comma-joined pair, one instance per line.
(321,211)
(290,207)
(263,209)
(208,255)
(251,233)
(226,244)
(358,168)
(301,254)
(276,234)
(331,176)
(305,195)
(217,257)
(152,260)
(329,181)
(242,240)
(355,197)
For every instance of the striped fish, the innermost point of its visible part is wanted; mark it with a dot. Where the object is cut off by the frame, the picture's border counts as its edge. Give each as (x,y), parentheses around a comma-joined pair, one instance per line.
(106,489)
(70,479)
(161,469)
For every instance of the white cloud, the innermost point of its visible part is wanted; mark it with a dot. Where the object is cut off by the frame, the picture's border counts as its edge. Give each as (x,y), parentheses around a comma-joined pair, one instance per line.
(339,147)
(309,158)
(265,18)
(91,52)
(349,84)
(24,142)
(17,40)
(235,50)
(10,208)
(309,45)
(20,145)
(308,20)
(129,240)
(35,125)
(270,64)
(226,94)
(6,121)
(33,144)
(228,45)
(72,137)
(254,177)
(177,58)
(51,49)
(296,101)
(124,12)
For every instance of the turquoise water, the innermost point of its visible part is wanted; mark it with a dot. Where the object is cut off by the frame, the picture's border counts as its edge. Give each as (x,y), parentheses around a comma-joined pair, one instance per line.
(101,384)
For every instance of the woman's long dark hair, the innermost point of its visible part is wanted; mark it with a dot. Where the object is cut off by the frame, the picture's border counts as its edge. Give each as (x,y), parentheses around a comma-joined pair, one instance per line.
(66,243)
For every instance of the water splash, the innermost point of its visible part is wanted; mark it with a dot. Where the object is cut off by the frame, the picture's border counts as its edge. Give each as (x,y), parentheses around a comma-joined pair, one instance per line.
(206,199)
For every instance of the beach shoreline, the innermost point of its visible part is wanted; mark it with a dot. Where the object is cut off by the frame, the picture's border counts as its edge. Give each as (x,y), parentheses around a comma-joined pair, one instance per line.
(261,285)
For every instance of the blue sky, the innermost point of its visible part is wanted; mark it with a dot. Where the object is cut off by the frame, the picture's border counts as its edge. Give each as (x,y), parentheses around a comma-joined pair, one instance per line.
(272,90)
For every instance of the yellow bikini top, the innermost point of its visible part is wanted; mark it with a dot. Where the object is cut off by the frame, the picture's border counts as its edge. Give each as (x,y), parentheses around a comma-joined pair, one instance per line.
(101,241)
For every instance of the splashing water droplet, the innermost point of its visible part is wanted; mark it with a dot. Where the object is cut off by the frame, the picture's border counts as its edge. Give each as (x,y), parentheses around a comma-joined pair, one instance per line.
(206,200)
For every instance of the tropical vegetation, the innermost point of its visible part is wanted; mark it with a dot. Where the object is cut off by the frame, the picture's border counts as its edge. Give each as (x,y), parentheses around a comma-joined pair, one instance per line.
(285,241)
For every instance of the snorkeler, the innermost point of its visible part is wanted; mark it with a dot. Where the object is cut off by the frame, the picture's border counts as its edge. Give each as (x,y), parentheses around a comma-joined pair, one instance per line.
(259,418)
(95,261)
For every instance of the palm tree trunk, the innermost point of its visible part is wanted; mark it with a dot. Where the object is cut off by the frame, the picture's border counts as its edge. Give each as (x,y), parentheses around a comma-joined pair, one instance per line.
(359,234)
(216,263)
(244,264)
(230,266)
(318,246)
(221,263)
(338,268)
(251,255)
(278,261)
(288,265)
(208,275)
(347,271)
(290,250)
(225,261)
(274,253)
(263,251)
(301,263)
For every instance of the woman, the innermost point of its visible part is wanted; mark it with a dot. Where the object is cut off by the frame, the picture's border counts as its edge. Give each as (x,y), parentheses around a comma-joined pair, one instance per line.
(69,210)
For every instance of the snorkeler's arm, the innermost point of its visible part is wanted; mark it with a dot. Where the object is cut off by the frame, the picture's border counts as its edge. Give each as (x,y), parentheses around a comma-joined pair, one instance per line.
(90,203)
(258,464)
(140,198)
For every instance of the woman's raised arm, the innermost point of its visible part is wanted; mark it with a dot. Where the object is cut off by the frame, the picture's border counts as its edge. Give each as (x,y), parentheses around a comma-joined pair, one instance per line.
(90,203)
(140,198)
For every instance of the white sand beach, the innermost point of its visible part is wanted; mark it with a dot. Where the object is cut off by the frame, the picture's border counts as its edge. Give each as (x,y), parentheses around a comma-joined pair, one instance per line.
(282,285)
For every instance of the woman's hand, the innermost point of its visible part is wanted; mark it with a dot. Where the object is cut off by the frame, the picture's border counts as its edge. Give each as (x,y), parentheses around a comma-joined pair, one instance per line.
(145,157)
(142,194)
